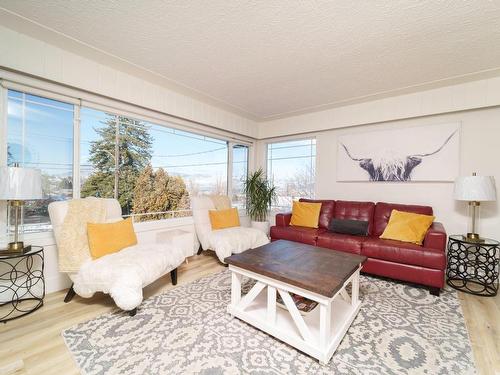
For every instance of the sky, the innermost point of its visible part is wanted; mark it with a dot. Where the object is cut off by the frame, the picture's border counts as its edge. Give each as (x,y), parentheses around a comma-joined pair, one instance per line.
(48,140)
(188,155)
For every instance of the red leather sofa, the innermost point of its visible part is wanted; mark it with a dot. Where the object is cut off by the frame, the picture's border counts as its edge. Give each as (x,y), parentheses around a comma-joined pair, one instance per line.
(394,259)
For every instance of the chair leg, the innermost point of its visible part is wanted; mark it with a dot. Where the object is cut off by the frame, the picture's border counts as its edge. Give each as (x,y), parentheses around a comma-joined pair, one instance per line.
(434,291)
(69,296)
(132,312)
(173,276)
(200,249)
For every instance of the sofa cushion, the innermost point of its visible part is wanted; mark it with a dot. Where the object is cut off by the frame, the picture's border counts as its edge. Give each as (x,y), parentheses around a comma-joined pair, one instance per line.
(406,272)
(341,242)
(402,252)
(297,234)
(383,213)
(326,213)
(235,240)
(355,211)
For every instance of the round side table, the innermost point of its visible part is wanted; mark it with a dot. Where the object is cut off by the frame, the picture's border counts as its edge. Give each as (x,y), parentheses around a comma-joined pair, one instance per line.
(473,266)
(22,285)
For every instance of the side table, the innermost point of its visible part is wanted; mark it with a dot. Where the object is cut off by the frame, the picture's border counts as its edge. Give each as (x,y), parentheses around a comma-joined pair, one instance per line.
(473,266)
(22,284)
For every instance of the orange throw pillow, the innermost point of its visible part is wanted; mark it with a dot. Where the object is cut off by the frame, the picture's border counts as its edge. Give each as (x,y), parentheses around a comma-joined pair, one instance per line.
(305,214)
(109,238)
(221,219)
(407,227)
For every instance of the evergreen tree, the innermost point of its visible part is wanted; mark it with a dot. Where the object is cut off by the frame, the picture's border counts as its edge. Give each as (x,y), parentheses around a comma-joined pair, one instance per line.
(134,146)
(157,192)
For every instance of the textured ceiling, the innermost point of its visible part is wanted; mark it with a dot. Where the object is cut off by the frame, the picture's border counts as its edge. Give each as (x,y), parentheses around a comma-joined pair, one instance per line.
(270,58)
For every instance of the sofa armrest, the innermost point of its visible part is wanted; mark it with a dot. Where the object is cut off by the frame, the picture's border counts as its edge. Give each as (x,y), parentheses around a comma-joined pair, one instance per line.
(283,219)
(435,238)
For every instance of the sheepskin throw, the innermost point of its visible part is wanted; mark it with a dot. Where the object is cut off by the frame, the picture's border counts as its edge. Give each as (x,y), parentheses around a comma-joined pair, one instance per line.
(221,202)
(73,246)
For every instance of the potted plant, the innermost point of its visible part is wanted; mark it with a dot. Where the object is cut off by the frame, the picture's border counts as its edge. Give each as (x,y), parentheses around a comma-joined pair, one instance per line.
(261,194)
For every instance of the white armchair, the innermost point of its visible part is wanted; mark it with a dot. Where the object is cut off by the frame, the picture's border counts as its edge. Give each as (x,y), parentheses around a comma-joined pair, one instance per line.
(223,241)
(122,274)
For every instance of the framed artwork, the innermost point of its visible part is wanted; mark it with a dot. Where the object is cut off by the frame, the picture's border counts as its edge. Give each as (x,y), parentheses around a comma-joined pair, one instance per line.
(424,153)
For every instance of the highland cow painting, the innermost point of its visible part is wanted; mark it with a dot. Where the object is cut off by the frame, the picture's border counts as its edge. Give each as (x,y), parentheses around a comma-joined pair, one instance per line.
(426,153)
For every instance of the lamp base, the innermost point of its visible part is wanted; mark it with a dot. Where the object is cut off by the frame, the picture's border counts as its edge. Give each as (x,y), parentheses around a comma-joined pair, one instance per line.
(16,247)
(473,237)
(8,251)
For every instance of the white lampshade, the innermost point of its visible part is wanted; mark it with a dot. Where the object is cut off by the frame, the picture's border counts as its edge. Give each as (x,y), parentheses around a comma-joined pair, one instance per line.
(20,184)
(475,188)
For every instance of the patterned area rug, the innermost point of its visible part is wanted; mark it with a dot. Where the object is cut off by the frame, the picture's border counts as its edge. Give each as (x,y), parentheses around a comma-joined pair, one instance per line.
(400,329)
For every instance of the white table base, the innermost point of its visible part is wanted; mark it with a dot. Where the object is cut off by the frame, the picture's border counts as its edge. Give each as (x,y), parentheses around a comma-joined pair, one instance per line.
(317,334)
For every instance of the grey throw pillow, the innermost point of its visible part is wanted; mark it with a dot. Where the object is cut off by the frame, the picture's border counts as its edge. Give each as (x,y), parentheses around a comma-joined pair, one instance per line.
(346,226)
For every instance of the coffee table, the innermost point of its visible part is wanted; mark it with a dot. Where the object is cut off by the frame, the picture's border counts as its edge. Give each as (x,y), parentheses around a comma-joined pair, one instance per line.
(285,267)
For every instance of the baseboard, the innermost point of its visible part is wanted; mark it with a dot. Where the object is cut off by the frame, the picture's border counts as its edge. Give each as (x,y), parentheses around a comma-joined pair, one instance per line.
(56,283)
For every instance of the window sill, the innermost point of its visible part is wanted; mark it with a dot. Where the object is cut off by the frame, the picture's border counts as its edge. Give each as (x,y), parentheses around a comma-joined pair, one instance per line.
(47,238)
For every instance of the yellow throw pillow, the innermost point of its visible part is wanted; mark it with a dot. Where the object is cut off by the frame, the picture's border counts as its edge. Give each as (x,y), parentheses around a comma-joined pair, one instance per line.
(110,238)
(407,227)
(221,219)
(305,214)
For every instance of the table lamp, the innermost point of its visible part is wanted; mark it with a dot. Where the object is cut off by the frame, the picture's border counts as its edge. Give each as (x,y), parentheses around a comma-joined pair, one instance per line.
(16,186)
(475,189)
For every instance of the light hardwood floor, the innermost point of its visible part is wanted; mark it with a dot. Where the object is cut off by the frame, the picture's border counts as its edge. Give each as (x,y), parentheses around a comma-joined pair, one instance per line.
(34,342)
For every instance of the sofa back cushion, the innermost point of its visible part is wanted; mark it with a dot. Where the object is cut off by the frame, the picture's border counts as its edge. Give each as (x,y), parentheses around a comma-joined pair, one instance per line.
(201,205)
(326,213)
(383,213)
(355,211)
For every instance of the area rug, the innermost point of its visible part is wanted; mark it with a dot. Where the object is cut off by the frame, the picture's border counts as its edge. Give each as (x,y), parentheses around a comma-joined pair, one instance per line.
(400,329)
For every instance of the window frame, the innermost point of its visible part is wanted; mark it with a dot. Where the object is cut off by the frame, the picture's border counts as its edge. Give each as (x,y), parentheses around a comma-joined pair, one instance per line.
(291,139)
(187,133)
(4,209)
(172,123)
(230,167)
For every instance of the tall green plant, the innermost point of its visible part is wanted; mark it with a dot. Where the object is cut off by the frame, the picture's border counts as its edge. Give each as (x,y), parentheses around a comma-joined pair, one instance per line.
(261,194)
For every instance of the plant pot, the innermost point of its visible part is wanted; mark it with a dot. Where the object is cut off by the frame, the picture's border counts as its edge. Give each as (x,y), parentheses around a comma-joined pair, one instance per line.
(262,226)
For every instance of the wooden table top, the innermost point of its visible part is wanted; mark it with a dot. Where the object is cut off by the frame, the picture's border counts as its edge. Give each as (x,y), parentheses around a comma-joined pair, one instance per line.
(318,270)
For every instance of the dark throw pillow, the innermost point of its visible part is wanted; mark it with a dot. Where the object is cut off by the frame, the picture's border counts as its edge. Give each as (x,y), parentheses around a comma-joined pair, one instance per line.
(345,226)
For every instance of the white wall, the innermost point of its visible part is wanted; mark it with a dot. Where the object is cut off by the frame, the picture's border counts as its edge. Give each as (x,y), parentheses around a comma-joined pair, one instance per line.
(480,145)
(26,54)
(475,104)
(450,99)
